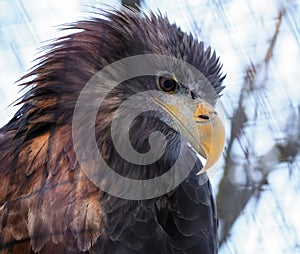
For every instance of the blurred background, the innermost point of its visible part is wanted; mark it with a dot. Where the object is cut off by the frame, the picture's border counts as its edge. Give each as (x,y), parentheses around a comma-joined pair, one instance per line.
(258,185)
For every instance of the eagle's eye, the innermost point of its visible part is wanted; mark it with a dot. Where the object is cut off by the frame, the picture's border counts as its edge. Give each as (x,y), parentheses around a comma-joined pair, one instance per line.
(168,85)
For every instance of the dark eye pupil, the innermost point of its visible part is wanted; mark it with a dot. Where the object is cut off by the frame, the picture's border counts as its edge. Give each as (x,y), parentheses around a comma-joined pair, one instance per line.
(167,84)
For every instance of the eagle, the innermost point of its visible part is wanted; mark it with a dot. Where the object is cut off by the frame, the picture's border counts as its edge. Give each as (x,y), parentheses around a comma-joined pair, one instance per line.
(120,83)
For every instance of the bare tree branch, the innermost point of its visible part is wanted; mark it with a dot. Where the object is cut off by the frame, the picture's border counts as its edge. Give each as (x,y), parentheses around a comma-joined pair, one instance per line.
(233,194)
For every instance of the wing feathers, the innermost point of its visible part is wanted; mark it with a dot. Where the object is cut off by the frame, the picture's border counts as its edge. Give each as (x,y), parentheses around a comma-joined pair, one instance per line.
(51,207)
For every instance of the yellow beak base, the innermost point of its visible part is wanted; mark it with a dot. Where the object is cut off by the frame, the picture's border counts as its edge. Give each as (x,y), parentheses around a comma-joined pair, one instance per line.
(204,131)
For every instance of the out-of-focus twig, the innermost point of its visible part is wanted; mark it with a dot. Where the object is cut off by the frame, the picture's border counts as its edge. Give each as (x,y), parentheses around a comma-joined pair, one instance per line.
(270,50)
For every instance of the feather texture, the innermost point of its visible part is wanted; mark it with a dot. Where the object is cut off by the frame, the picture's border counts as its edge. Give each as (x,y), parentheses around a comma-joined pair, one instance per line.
(47,203)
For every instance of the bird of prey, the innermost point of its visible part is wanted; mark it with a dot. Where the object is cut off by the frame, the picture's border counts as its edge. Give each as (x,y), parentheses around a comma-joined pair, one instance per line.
(49,203)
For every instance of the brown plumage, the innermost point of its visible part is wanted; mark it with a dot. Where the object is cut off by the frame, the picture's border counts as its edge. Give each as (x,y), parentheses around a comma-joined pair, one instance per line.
(47,204)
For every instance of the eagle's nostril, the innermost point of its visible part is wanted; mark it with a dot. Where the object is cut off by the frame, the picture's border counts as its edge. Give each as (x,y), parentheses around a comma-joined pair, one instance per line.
(205,117)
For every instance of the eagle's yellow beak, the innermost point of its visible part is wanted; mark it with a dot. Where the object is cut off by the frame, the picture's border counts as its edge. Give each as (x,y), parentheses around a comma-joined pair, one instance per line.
(211,133)
(202,128)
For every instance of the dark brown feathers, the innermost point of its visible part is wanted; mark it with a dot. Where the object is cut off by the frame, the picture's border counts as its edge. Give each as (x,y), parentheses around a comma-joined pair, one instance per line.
(47,204)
